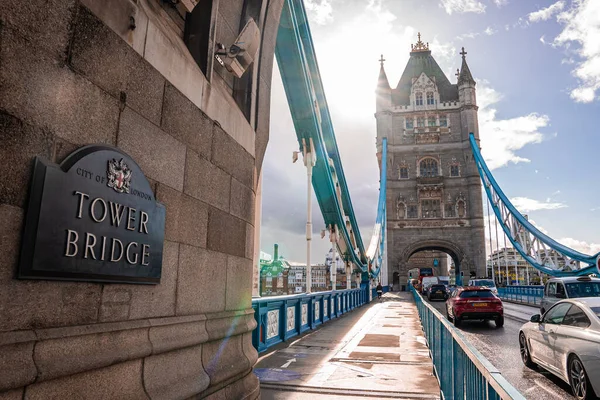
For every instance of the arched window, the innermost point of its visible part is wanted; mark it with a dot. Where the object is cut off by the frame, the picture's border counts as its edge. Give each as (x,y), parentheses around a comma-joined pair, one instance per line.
(419,98)
(430,208)
(409,123)
(431,121)
(443,121)
(454,171)
(429,98)
(403,172)
(428,167)
(420,122)
(412,211)
(449,212)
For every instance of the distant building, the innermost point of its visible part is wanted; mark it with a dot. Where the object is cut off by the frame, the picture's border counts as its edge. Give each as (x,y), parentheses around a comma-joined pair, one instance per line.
(297,278)
(509,267)
(430,259)
(340,275)
(274,275)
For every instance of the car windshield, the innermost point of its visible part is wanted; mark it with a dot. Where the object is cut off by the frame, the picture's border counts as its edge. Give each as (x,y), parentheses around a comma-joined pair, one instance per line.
(469,294)
(437,287)
(596,310)
(583,289)
(484,282)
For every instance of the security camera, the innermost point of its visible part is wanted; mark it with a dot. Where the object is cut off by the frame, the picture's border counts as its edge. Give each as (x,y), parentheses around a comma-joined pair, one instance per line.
(238,57)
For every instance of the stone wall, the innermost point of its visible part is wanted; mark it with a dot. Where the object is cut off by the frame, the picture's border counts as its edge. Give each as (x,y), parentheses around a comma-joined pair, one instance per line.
(74,73)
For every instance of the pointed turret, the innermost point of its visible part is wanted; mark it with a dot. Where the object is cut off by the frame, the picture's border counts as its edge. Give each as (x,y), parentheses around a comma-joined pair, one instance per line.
(382,81)
(384,91)
(465,73)
(467,98)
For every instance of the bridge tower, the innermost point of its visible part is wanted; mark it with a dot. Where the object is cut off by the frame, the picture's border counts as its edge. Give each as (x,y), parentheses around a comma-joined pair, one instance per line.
(434,193)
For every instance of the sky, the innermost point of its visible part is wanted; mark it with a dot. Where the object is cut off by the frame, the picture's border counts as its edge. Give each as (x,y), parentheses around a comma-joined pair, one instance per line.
(537,67)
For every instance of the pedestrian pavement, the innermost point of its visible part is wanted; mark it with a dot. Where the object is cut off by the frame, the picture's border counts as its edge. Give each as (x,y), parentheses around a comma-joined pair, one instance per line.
(375,351)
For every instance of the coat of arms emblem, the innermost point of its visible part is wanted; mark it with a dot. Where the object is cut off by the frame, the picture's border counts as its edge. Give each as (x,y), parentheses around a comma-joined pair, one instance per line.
(119,176)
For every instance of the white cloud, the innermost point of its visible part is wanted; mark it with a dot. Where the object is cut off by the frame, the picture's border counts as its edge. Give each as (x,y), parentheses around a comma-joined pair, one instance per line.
(489,31)
(546,13)
(501,138)
(581,245)
(525,204)
(470,35)
(463,6)
(582,26)
(319,11)
(443,52)
(500,3)
(543,39)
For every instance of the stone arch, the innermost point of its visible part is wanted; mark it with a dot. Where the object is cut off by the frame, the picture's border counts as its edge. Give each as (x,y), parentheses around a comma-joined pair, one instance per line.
(455,251)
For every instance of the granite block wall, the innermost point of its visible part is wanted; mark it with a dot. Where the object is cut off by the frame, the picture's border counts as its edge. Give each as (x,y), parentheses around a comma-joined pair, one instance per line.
(74,73)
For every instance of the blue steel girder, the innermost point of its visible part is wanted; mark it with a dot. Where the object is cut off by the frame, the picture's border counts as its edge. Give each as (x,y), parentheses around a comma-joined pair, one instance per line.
(298,75)
(376,247)
(325,118)
(537,248)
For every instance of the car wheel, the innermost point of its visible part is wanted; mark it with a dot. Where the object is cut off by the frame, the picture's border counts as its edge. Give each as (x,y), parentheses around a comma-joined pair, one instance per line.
(579,381)
(448,314)
(499,322)
(455,319)
(525,356)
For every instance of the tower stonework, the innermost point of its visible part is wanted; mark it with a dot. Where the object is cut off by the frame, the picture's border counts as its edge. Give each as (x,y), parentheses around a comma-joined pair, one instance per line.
(434,197)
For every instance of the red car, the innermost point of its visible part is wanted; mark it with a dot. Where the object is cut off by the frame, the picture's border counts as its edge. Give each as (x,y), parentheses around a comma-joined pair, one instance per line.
(474,303)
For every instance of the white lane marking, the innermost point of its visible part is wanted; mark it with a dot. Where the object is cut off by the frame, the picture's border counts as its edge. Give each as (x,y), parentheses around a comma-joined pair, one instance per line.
(287,364)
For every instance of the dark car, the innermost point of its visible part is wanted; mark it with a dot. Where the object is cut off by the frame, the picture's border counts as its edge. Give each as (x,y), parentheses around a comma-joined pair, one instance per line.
(437,292)
(474,303)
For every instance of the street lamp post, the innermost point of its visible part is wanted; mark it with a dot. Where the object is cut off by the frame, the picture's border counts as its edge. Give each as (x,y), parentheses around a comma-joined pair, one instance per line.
(348,273)
(310,159)
(333,238)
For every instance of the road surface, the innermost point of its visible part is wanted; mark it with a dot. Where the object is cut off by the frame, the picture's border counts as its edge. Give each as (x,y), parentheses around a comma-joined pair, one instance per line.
(501,348)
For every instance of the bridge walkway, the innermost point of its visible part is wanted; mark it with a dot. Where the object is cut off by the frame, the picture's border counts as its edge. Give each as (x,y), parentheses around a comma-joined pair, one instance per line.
(376,351)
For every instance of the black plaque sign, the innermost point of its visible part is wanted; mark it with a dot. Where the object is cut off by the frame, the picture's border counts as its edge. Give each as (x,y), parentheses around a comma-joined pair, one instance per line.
(93,218)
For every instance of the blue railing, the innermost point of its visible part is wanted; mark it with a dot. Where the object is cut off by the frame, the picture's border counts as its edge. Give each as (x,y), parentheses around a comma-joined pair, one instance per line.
(463,373)
(280,318)
(522,294)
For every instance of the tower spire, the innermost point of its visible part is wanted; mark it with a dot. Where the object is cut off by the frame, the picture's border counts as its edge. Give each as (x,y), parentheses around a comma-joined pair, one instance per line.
(382,82)
(465,74)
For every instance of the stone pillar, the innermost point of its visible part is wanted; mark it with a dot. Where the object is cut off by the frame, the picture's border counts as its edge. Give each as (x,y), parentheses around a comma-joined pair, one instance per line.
(118,73)
(256,252)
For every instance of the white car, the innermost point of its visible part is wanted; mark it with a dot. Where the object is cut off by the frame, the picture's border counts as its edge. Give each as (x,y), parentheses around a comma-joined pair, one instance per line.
(566,342)
(488,283)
